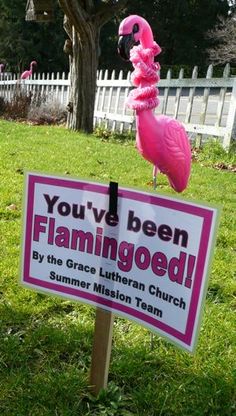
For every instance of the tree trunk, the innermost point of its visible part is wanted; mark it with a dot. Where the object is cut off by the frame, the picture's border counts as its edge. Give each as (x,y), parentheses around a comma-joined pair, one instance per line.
(83,20)
(83,77)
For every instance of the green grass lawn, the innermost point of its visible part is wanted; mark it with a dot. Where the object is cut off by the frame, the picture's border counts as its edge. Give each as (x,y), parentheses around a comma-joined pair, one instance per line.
(46,342)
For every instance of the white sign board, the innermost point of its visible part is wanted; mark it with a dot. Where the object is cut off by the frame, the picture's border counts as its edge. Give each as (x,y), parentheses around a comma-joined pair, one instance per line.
(148,262)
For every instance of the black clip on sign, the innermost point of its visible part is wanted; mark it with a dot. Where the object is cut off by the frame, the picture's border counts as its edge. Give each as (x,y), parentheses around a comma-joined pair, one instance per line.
(113,193)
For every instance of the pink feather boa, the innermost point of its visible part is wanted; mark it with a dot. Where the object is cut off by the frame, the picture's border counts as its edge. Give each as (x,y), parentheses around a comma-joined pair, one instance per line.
(145,77)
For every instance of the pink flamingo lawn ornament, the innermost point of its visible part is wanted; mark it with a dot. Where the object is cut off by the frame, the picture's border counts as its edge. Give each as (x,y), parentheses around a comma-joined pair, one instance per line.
(160,139)
(28,73)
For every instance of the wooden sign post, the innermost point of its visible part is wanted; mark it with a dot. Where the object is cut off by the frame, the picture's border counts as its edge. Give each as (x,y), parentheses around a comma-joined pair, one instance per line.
(101,354)
(103,326)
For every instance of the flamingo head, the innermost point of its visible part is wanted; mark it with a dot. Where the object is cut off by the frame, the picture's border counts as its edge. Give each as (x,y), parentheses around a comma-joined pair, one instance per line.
(133,30)
(33,63)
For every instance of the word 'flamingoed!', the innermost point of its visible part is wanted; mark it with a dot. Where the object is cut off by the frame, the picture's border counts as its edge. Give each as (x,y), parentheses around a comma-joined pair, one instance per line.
(126,255)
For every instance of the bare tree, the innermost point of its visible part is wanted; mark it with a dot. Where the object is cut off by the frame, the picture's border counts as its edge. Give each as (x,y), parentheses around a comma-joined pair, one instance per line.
(224,38)
(82,23)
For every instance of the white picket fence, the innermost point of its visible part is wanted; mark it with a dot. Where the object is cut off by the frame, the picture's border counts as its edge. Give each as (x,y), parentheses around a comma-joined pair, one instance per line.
(206,106)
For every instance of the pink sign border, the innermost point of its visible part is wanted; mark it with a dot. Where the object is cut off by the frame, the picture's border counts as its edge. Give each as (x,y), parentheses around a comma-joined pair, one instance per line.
(205,213)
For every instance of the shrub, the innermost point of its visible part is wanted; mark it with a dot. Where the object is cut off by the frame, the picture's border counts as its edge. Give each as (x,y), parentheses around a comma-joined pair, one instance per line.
(47,113)
(104,133)
(2,106)
(19,105)
(32,106)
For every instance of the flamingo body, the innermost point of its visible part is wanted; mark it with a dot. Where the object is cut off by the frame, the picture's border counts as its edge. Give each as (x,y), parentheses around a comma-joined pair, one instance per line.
(27,74)
(161,140)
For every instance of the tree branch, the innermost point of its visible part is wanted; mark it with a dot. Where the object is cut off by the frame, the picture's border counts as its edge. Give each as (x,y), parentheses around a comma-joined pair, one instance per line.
(75,12)
(82,12)
(224,38)
(67,26)
(88,5)
(106,10)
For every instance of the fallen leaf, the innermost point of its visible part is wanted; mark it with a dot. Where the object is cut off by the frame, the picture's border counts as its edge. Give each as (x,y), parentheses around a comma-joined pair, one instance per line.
(12,207)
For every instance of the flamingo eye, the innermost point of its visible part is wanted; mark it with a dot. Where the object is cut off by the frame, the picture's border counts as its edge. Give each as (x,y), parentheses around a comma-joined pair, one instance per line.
(135,28)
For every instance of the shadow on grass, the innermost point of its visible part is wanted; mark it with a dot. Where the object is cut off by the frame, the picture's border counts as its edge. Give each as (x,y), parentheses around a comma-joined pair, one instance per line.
(45,361)
(166,381)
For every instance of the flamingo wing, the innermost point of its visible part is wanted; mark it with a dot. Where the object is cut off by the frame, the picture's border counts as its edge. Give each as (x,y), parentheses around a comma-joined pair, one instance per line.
(25,74)
(178,154)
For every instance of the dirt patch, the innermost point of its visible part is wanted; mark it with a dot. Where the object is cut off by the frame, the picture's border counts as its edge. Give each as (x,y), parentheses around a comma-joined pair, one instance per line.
(225,166)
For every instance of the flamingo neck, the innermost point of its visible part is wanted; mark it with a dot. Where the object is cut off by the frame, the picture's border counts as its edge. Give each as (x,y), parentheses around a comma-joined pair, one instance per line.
(142,114)
(147,134)
(147,40)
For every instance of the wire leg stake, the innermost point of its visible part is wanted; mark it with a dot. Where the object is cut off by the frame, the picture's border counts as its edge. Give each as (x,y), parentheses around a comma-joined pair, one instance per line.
(101,350)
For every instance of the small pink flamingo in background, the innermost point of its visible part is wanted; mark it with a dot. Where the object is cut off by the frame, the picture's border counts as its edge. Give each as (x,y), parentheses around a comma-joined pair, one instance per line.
(2,66)
(28,73)
(160,139)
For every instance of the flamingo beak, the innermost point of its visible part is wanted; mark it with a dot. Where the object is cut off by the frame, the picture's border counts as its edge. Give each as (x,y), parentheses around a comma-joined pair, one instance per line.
(125,44)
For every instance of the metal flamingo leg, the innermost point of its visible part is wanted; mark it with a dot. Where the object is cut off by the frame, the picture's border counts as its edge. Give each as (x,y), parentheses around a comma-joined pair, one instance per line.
(155,171)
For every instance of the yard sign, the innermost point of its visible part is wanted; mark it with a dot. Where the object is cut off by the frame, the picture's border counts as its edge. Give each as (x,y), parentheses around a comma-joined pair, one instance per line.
(148,262)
